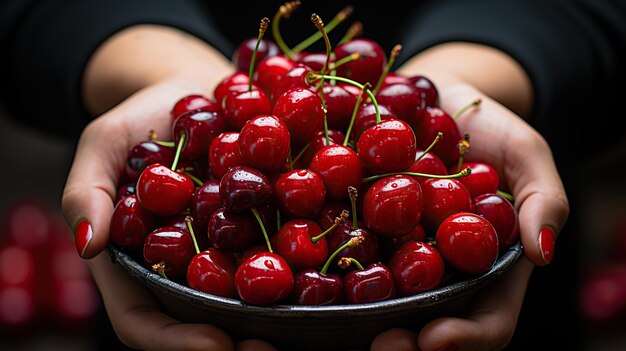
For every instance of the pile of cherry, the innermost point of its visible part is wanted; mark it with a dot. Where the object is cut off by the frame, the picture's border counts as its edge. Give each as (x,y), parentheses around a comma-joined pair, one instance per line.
(312,178)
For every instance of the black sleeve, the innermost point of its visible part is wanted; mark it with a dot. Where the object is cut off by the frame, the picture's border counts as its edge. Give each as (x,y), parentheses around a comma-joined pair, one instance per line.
(573,52)
(45,46)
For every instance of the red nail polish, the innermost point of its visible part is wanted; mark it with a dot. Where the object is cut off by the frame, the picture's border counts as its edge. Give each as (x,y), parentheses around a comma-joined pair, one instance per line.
(448,347)
(546,244)
(83,236)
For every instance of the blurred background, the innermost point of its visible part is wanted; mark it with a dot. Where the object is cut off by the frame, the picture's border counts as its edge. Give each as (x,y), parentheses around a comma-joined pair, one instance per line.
(49,302)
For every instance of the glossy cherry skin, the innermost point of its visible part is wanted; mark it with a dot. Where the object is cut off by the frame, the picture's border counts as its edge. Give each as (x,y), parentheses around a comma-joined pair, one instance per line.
(130,224)
(212,271)
(293,241)
(403,99)
(144,154)
(372,284)
(229,231)
(369,67)
(483,178)
(366,252)
(393,205)
(312,288)
(241,106)
(427,163)
(501,213)
(330,211)
(432,121)
(164,191)
(270,71)
(242,56)
(315,60)
(386,147)
(366,117)
(264,278)
(427,89)
(243,187)
(300,193)
(302,111)
(339,167)
(194,102)
(172,247)
(204,201)
(389,245)
(294,78)
(468,242)
(224,153)
(264,143)
(443,197)
(125,190)
(223,88)
(417,267)
(393,78)
(340,104)
(200,128)
(334,137)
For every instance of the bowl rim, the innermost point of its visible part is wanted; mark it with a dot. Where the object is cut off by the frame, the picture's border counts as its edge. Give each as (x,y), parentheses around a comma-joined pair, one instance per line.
(457,288)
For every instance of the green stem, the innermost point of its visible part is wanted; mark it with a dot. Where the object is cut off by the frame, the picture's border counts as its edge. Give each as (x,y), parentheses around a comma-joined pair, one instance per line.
(299,155)
(179,148)
(350,243)
(352,194)
(392,59)
(338,221)
(165,143)
(258,219)
(312,76)
(339,17)
(505,195)
(345,262)
(194,178)
(355,30)
(284,10)
(466,107)
(262,28)
(463,173)
(193,235)
(353,118)
(437,138)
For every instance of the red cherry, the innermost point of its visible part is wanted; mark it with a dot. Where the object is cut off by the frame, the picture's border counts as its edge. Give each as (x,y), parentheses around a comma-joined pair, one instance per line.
(242,56)
(194,102)
(200,129)
(302,111)
(417,267)
(427,163)
(314,60)
(432,122)
(264,278)
(294,78)
(366,117)
(393,205)
(501,213)
(443,197)
(144,154)
(241,106)
(223,88)
(468,242)
(169,250)
(312,288)
(204,201)
(369,67)
(124,190)
(393,78)
(228,231)
(389,244)
(340,105)
(334,137)
(270,71)
(366,252)
(403,99)
(164,191)
(388,146)
(300,193)
(264,143)
(130,224)
(372,284)
(339,167)
(295,242)
(427,89)
(212,271)
(224,153)
(330,211)
(243,187)
(483,178)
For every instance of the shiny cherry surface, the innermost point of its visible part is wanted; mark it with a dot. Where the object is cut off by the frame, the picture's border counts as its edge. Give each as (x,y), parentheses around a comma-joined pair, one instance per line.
(164,191)
(264,278)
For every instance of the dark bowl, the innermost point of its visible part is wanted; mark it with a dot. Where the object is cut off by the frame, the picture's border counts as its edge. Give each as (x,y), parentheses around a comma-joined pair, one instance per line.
(291,327)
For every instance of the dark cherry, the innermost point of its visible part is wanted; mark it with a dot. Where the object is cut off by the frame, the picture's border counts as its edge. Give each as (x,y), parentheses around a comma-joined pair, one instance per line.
(314,60)
(130,224)
(372,284)
(169,250)
(330,210)
(393,78)
(483,178)
(224,153)
(389,244)
(300,193)
(427,163)
(312,288)
(194,102)
(340,105)
(366,117)
(393,205)
(223,88)
(468,242)
(403,99)
(426,88)
(270,71)
(204,201)
(366,252)
(264,278)
(388,146)
(212,271)
(125,190)
(294,78)
(501,213)
(144,154)
(339,167)
(229,231)
(294,241)
(242,105)
(417,267)
(432,122)
(302,111)
(334,137)
(242,57)
(243,187)
(164,191)
(200,128)
(443,197)
(369,67)
(264,143)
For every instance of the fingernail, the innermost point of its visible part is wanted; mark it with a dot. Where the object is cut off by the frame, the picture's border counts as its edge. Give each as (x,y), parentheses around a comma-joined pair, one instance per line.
(83,235)
(448,347)
(546,244)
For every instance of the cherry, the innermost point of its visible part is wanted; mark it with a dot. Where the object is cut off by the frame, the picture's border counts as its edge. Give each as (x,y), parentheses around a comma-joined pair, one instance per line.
(388,146)
(301,243)
(429,163)
(236,79)
(313,288)
(243,187)
(169,250)
(212,271)
(164,191)
(125,190)
(501,213)
(242,56)
(468,242)
(389,244)
(144,154)
(264,278)
(302,111)
(200,128)
(339,167)
(483,178)
(304,157)
(264,143)
(417,267)
(371,284)
(270,71)
(426,88)
(244,104)
(294,78)
(130,224)
(443,197)
(224,153)
(300,193)
(432,122)
(204,201)
(403,99)
(330,210)
(393,205)
(393,78)
(369,67)
(340,104)
(21,307)
(228,231)
(366,117)
(194,102)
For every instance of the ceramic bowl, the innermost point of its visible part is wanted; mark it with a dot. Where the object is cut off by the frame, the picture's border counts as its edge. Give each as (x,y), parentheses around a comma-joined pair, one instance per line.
(294,327)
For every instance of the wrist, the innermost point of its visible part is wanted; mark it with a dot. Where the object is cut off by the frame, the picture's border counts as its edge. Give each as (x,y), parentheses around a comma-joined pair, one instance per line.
(143,55)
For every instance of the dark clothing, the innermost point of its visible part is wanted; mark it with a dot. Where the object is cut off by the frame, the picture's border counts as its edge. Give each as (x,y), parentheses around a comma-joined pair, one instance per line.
(573,51)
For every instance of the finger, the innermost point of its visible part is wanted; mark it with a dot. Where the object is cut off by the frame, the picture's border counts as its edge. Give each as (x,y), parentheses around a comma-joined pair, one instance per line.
(395,339)
(491,320)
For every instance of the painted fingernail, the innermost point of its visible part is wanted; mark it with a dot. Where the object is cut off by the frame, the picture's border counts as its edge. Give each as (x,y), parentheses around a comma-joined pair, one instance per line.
(448,347)
(83,235)
(546,244)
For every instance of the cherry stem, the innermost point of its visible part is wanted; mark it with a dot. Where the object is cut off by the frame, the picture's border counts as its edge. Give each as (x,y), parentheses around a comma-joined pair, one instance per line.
(164,143)
(505,195)
(463,173)
(160,269)
(346,262)
(179,148)
(258,219)
(193,235)
(437,138)
(277,219)
(352,57)
(265,22)
(395,51)
(463,146)
(338,220)
(355,30)
(319,24)
(353,193)
(194,178)
(285,11)
(357,240)
(354,113)
(466,107)
(339,18)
